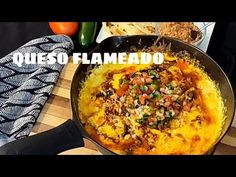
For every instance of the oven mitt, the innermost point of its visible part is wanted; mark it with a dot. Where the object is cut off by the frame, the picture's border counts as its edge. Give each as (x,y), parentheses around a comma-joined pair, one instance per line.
(24,90)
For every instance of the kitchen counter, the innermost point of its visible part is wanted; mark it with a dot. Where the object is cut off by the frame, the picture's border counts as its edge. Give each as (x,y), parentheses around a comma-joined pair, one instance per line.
(57,110)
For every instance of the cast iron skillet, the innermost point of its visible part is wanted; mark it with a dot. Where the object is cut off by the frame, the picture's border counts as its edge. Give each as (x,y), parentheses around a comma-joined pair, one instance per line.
(71,133)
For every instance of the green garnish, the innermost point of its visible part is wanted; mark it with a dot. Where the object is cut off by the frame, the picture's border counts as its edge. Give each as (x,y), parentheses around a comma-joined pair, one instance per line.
(153,73)
(140,121)
(170,87)
(169,114)
(145,116)
(136,97)
(155,94)
(134,87)
(121,81)
(144,88)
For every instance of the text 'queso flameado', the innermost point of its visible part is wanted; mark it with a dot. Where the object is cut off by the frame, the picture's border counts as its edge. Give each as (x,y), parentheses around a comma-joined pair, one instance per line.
(96,58)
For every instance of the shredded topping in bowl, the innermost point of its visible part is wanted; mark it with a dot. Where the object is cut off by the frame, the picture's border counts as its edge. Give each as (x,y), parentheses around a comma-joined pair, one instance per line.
(185,31)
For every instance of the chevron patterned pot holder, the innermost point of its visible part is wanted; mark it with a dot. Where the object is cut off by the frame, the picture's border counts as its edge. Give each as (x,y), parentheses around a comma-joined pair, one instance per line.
(24,90)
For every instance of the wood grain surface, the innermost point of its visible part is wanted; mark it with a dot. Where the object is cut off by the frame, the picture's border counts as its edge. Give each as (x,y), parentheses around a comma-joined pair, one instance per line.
(57,110)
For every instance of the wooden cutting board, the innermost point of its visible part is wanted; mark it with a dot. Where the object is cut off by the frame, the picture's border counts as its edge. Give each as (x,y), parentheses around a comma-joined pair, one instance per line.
(57,110)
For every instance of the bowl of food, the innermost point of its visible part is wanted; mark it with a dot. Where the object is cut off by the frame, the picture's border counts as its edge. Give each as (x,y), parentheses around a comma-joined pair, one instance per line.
(188,32)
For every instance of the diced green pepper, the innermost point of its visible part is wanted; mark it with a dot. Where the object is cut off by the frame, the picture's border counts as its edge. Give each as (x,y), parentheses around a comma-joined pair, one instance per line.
(154,86)
(155,94)
(144,88)
(145,116)
(121,81)
(143,119)
(169,114)
(140,121)
(153,73)
(170,86)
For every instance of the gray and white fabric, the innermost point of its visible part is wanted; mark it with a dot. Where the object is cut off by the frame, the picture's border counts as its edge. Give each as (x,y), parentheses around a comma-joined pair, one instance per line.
(24,90)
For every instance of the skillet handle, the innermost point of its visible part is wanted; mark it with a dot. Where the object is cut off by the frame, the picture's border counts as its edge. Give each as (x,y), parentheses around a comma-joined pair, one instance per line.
(54,141)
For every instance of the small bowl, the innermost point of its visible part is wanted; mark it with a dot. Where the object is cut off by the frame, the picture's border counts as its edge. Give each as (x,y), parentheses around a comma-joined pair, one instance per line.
(198,24)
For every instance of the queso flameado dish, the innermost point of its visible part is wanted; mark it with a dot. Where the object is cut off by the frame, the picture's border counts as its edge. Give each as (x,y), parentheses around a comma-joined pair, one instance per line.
(172,108)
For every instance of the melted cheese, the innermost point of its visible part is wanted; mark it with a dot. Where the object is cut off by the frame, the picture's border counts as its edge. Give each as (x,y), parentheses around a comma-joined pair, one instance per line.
(189,138)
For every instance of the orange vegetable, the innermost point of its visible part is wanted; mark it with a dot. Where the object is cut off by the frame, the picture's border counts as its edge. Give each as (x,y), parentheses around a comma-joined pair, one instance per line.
(122,90)
(142,99)
(182,64)
(67,28)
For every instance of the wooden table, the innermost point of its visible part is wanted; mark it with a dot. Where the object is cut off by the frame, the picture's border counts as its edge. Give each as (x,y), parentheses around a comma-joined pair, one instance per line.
(57,110)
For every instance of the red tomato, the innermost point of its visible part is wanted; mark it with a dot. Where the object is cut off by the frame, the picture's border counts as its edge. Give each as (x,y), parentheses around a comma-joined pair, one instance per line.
(122,90)
(67,28)
(182,64)
(138,80)
(138,91)
(143,98)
